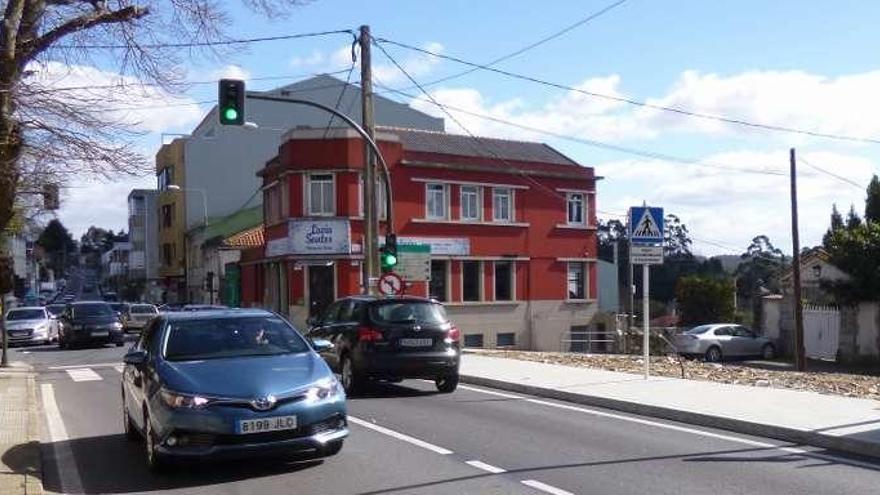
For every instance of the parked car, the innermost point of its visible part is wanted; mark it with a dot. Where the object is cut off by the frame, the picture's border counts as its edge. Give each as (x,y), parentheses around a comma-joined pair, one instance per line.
(170,307)
(228,384)
(389,339)
(30,325)
(137,316)
(92,322)
(55,310)
(718,341)
(118,307)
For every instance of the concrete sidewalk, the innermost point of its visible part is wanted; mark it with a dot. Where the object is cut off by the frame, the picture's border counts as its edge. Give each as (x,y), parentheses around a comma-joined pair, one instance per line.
(20,463)
(838,423)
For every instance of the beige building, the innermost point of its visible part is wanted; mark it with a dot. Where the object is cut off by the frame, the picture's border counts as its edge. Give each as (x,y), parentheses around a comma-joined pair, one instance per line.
(171,211)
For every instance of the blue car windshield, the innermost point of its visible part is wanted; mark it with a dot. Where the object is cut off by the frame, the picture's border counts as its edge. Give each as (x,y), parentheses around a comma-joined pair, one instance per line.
(215,338)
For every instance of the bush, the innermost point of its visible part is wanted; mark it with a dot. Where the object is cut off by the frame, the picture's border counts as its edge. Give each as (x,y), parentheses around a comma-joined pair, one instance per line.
(705,300)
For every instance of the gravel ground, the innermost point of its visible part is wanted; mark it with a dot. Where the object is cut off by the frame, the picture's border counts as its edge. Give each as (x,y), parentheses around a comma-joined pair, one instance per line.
(846,384)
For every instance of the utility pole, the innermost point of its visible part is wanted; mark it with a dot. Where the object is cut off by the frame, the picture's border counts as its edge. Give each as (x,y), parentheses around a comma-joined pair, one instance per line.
(371,224)
(800,358)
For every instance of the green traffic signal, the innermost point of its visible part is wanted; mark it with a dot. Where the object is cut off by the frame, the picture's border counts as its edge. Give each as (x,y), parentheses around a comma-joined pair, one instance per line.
(230,101)
(389,260)
(230,114)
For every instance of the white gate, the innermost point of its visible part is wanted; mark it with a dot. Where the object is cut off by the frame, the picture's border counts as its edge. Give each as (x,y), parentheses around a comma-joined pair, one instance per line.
(821,331)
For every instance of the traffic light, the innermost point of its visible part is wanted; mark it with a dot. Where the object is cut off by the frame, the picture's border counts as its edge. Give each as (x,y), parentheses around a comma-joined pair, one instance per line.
(388,253)
(230,101)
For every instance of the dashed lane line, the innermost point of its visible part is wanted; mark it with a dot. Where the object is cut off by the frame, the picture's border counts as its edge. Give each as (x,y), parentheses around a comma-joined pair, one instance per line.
(400,436)
(486,467)
(544,487)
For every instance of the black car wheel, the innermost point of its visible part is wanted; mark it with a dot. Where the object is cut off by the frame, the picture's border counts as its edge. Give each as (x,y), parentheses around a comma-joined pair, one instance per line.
(155,461)
(713,355)
(119,344)
(62,344)
(446,384)
(331,448)
(351,382)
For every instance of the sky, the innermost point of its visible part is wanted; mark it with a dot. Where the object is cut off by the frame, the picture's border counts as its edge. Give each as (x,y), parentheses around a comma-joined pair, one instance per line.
(808,65)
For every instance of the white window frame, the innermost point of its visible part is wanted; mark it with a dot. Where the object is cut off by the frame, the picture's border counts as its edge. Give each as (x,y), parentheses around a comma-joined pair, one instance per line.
(428,213)
(586,282)
(499,192)
(308,195)
(478,197)
(570,198)
(512,280)
(481,272)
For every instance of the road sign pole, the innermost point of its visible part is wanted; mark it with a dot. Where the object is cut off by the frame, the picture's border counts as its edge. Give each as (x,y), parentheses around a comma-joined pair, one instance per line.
(645,319)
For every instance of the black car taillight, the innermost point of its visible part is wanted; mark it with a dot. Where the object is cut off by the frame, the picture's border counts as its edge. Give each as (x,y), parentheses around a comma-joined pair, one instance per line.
(367,334)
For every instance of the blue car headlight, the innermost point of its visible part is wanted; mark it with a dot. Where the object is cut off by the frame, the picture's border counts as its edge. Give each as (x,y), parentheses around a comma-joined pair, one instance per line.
(177,400)
(324,389)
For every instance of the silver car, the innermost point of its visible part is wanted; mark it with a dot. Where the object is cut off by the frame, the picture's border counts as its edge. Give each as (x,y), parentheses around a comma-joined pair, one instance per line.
(723,340)
(137,316)
(31,325)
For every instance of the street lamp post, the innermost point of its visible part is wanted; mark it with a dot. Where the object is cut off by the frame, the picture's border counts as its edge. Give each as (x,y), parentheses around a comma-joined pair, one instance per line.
(175,187)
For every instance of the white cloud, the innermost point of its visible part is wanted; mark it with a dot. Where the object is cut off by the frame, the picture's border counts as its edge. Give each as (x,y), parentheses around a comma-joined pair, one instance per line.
(145,108)
(384,72)
(311,60)
(231,71)
(733,206)
(843,105)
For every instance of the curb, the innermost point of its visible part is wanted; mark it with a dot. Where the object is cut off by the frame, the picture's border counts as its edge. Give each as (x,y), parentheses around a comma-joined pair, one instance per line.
(27,451)
(800,437)
(34,481)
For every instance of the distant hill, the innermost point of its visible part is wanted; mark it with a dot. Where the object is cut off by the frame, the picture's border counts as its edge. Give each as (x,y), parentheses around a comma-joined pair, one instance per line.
(729,262)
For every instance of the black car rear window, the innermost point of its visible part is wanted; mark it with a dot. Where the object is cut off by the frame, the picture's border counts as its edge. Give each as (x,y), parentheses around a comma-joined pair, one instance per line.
(408,311)
(55,309)
(214,338)
(89,310)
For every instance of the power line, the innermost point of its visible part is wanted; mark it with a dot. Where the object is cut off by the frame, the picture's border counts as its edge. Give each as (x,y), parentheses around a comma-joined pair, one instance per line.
(344,89)
(591,142)
(474,137)
(831,174)
(182,83)
(629,101)
(528,47)
(197,44)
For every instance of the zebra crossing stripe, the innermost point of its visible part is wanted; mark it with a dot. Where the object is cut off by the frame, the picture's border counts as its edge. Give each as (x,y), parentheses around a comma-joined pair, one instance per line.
(118,368)
(83,375)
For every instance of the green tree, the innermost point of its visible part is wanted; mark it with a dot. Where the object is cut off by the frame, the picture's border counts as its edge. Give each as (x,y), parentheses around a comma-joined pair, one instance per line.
(872,204)
(57,242)
(836,223)
(856,251)
(705,300)
(677,237)
(852,218)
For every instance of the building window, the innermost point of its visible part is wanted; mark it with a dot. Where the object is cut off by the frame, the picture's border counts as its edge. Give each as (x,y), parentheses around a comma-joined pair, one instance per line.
(167,216)
(438,286)
(576,209)
(436,201)
(502,204)
(166,177)
(507,339)
(272,203)
(321,198)
(473,340)
(471,281)
(470,203)
(577,280)
(381,207)
(504,281)
(168,254)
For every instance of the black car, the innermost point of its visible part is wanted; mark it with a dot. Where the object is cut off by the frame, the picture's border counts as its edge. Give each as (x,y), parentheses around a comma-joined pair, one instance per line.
(389,339)
(89,323)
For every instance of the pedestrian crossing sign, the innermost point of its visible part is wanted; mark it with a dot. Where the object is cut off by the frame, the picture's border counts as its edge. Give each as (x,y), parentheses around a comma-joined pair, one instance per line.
(645,225)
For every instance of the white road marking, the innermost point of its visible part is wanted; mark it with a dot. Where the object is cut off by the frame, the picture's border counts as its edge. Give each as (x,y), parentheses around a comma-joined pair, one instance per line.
(400,436)
(683,429)
(77,366)
(118,368)
(68,472)
(544,487)
(486,467)
(84,375)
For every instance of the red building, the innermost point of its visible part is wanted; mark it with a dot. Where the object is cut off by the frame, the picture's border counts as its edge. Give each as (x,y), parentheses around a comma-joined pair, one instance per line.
(511,227)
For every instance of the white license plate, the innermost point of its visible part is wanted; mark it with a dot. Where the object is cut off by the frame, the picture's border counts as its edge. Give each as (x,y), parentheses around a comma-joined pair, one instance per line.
(277,423)
(100,334)
(416,342)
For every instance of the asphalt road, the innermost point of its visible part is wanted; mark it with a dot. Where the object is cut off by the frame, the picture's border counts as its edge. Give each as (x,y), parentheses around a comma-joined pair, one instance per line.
(408,439)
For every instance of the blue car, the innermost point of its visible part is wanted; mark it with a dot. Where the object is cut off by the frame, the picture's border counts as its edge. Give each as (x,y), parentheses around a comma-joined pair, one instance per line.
(230,383)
